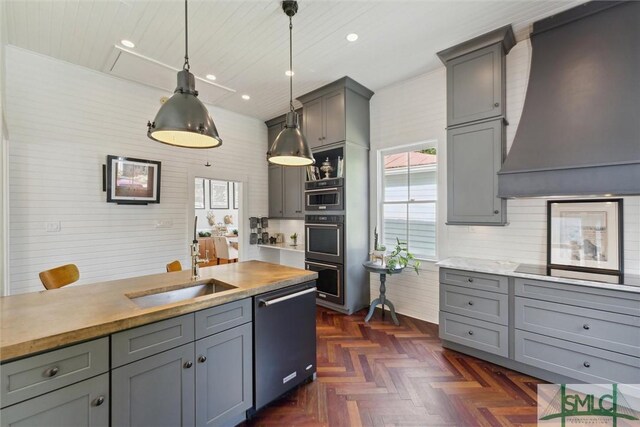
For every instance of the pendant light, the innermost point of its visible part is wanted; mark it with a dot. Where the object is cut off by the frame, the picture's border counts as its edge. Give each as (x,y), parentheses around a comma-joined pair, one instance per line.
(290,147)
(183,120)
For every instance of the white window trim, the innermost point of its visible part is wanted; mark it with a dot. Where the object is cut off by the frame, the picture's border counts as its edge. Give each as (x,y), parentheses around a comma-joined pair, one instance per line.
(414,146)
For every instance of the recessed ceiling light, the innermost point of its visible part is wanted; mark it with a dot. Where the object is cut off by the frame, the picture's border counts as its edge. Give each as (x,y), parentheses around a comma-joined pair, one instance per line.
(127,43)
(352,37)
(210,77)
(246,97)
(289,73)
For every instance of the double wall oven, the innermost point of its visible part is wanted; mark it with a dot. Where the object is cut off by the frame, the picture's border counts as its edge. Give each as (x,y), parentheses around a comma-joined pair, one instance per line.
(324,254)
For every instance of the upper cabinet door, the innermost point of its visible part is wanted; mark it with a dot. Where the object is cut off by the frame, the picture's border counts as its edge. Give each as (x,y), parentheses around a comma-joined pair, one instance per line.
(313,122)
(474,86)
(293,180)
(275,191)
(273,132)
(334,117)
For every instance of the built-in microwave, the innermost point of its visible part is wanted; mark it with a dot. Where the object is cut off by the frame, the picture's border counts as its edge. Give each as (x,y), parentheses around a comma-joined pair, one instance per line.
(324,238)
(325,194)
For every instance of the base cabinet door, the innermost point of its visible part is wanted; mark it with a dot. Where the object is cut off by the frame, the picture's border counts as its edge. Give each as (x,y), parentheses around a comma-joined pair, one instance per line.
(155,391)
(82,404)
(224,377)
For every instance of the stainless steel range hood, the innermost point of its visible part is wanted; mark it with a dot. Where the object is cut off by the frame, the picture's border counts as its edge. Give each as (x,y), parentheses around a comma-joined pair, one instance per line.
(580,128)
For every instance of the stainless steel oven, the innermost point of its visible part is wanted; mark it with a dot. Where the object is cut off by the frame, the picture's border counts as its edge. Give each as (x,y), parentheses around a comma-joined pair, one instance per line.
(330,282)
(324,238)
(326,194)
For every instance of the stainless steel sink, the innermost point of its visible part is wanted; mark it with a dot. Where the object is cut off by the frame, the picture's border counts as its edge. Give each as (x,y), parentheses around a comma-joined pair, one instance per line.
(164,297)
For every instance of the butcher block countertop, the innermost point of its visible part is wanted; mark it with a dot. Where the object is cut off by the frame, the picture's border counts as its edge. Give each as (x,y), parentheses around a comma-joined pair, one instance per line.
(40,321)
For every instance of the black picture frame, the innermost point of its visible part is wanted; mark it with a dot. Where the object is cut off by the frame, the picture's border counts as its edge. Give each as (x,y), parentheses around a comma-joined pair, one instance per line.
(236,202)
(214,200)
(612,233)
(132,181)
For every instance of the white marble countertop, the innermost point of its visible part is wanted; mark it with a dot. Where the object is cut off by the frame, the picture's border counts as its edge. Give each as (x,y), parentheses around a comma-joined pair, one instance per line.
(508,268)
(284,247)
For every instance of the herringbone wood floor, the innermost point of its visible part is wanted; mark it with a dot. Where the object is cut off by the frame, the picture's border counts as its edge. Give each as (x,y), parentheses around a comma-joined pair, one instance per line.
(379,374)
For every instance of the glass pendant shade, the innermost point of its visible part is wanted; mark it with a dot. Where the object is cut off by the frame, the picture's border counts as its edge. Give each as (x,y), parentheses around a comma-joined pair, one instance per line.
(183,120)
(290,148)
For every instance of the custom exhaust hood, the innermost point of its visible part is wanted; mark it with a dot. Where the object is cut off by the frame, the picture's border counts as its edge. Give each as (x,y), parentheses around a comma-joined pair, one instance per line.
(580,128)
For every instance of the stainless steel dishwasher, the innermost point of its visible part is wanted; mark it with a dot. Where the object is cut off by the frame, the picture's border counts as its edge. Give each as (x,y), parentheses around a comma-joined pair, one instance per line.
(284,341)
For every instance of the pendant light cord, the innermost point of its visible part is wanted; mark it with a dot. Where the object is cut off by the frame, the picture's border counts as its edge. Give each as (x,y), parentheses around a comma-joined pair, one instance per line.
(291,65)
(186,65)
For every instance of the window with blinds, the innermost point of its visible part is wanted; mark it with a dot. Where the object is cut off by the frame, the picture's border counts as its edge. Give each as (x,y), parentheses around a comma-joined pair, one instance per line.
(409,196)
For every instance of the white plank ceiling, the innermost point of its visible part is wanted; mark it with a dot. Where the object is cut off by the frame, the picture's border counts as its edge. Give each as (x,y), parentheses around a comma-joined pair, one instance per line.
(245,43)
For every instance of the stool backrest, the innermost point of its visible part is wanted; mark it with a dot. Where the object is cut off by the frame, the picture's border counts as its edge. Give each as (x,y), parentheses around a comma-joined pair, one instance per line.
(60,276)
(174,266)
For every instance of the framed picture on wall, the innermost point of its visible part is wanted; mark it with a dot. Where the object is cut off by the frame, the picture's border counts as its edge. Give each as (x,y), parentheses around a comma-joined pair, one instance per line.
(132,181)
(236,201)
(585,236)
(199,201)
(219,194)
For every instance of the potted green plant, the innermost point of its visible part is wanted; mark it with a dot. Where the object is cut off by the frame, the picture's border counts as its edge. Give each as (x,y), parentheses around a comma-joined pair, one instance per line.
(235,232)
(294,238)
(400,258)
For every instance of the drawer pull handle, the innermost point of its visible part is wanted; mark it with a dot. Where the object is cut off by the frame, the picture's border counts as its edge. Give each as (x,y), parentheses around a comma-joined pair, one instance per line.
(51,372)
(99,401)
(470,280)
(470,332)
(586,364)
(470,302)
(188,364)
(202,359)
(586,326)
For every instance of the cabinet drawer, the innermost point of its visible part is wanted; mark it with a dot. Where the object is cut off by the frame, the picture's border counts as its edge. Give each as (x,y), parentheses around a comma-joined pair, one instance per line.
(36,375)
(469,279)
(144,341)
(474,333)
(223,317)
(611,331)
(489,306)
(83,404)
(597,298)
(581,362)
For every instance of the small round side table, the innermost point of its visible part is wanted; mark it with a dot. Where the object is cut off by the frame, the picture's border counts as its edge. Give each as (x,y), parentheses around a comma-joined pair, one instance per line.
(382,299)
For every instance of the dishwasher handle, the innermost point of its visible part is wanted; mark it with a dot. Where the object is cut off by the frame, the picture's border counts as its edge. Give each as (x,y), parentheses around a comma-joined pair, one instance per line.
(267,303)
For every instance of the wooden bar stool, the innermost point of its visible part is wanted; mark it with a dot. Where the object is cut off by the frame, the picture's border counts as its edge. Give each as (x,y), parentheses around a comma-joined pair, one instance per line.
(174,266)
(60,276)
(224,250)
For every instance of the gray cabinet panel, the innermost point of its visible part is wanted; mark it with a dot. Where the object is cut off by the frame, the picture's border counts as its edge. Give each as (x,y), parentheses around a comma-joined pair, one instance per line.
(275,191)
(475,333)
(83,404)
(334,117)
(610,331)
(273,132)
(470,279)
(596,298)
(314,122)
(156,391)
(474,156)
(223,317)
(137,343)
(36,375)
(474,86)
(578,361)
(488,306)
(224,380)
(293,185)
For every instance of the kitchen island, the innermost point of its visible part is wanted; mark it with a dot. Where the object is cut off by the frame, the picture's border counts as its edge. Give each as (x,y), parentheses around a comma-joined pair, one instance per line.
(157,348)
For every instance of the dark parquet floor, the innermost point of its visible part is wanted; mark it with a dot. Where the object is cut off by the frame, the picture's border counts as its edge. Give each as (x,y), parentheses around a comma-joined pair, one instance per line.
(379,374)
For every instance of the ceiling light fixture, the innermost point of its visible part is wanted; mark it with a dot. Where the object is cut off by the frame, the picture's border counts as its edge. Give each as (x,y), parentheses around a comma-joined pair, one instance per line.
(127,43)
(289,73)
(352,37)
(246,97)
(210,77)
(183,120)
(290,148)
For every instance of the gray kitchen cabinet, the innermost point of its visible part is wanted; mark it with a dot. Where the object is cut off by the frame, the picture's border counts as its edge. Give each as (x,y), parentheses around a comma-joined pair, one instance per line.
(314,122)
(292,187)
(475,86)
(85,403)
(224,376)
(156,391)
(275,191)
(474,156)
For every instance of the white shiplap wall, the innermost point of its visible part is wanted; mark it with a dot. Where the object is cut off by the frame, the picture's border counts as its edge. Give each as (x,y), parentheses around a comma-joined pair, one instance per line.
(65,120)
(415,111)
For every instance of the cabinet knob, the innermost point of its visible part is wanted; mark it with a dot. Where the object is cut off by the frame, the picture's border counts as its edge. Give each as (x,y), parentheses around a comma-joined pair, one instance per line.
(470,280)
(586,326)
(470,332)
(470,302)
(497,104)
(202,358)
(496,212)
(98,401)
(188,364)
(51,372)
(586,364)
